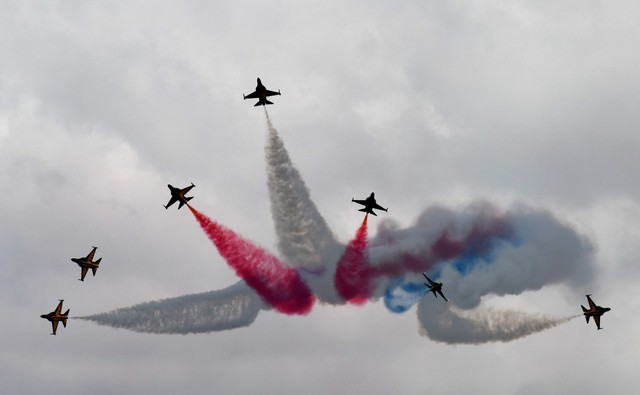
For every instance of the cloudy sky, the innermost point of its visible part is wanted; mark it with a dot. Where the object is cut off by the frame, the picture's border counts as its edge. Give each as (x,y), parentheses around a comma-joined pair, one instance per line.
(427,103)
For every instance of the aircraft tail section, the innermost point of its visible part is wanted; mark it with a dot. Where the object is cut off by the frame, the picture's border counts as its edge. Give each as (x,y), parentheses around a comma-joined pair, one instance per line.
(65,317)
(188,198)
(584,309)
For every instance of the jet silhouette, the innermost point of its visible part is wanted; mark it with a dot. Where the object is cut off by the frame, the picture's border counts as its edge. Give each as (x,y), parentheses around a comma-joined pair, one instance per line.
(261,93)
(87,263)
(434,287)
(55,317)
(177,195)
(369,204)
(593,311)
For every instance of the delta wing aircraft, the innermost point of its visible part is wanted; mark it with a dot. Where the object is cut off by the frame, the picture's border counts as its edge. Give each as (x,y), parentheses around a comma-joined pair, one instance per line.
(56,316)
(87,263)
(369,204)
(434,287)
(177,195)
(261,93)
(593,311)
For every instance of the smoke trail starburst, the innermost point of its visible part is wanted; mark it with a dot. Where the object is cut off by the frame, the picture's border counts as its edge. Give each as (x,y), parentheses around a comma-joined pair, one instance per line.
(475,250)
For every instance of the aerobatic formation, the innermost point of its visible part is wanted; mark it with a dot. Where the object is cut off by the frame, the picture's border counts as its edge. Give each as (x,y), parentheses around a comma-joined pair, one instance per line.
(478,250)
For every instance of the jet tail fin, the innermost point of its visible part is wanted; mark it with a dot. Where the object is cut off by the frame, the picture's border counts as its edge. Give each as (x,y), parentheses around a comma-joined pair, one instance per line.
(188,198)
(98,261)
(585,310)
(64,319)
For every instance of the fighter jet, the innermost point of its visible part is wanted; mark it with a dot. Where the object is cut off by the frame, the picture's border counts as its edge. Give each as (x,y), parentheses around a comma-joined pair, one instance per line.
(261,93)
(57,316)
(434,287)
(177,195)
(594,311)
(369,205)
(87,263)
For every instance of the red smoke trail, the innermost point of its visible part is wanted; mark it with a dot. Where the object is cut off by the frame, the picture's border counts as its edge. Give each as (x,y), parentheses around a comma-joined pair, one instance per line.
(353,274)
(277,284)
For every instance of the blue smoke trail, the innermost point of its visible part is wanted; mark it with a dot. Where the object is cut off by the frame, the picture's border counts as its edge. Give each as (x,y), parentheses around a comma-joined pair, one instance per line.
(401,294)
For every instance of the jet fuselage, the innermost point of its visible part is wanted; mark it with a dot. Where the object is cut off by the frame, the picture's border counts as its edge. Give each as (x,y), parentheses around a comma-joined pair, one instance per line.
(178,195)
(261,93)
(369,204)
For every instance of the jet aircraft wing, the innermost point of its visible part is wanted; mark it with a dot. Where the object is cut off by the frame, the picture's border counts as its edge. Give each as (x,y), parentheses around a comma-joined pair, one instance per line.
(58,309)
(253,95)
(91,254)
(270,93)
(443,297)
(186,189)
(428,279)
(362,202)
(54,326)
(379,207)
(171,201)
(592,306)
(596,318)
(83,273)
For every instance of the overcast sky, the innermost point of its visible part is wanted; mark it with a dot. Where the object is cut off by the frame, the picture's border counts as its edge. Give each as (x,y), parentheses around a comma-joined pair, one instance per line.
(424,102)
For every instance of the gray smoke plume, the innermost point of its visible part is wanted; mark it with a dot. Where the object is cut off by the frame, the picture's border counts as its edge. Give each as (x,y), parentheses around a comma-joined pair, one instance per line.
(228,308)
(481,325)
(303,235)
(304,238)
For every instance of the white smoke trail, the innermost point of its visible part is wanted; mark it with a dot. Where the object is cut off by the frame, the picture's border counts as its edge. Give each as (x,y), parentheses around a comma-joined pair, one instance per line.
(225,309)
(304,238)
(481,325)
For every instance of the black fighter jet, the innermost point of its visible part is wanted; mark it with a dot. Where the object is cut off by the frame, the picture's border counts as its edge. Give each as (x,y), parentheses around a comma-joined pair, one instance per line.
(594,311)
(56,316)
(434,287)
(177,195)
(87,263)
(369,204)
(261,93)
